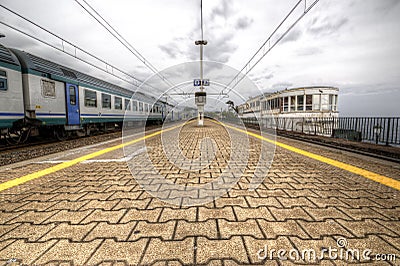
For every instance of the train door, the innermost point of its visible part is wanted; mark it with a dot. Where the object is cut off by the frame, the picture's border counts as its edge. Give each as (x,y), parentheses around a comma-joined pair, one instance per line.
(72,98)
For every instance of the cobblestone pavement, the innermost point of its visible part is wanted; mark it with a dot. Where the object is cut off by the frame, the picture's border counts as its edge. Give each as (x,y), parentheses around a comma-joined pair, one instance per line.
(96,213)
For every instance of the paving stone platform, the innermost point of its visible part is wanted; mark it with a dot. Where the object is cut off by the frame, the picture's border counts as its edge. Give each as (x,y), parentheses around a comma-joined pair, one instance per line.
(97,213)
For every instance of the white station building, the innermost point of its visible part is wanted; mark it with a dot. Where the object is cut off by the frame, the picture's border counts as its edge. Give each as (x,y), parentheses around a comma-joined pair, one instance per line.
(310,102)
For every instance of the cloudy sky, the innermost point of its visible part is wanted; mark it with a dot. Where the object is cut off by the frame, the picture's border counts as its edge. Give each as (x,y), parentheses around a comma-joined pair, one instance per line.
(351,44)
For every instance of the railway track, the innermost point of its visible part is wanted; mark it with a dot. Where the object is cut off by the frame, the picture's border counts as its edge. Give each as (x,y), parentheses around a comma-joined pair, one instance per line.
(41,147)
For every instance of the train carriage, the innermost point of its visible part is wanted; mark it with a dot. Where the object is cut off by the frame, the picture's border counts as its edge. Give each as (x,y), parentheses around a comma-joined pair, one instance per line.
(41,94)
(11,97)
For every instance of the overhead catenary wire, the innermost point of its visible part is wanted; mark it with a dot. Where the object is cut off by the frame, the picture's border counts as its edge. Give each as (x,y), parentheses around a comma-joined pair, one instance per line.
(63,41)
(136,82)
(116,34)
(106,25)
(70,54)
(249,65)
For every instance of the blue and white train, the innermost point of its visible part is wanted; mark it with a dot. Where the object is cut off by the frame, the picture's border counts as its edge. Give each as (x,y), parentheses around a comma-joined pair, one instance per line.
(37,96)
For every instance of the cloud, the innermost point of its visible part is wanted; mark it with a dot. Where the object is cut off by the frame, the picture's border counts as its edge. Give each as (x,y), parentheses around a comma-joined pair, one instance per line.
(169,49)
(224,10)
(219,34)
(221,48)
(387,5)
(326,26)
(262,77)
(243,23)
(281,85)
(269,76)
(305,51)
(292,36)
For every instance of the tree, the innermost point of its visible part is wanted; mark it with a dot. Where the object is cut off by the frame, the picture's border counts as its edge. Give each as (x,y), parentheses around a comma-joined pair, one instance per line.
(231,104)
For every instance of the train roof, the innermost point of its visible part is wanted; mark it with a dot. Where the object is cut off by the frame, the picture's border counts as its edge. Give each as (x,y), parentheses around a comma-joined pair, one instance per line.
(31,63)
(6,56)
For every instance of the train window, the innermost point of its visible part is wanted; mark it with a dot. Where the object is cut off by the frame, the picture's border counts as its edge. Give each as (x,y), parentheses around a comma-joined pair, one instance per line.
(72,95)
(3,80)
(127,105)
(300,102)
(135,107)
(106,101)
(117,103)
(90,98)
(146,107)
(48,88)
(308,102)
(140,107)
(3,84)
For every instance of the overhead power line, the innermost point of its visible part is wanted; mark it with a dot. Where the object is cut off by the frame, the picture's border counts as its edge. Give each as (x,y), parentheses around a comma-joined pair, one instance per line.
(134,81)
(106,25)
(70,54)
(267,46)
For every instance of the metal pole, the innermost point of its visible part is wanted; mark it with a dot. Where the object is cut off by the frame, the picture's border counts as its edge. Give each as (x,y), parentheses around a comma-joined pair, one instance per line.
(201,45)
(201,66)
(388,131)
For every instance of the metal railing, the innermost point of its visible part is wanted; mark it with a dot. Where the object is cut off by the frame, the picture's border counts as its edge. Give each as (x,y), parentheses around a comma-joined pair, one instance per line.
(379,130)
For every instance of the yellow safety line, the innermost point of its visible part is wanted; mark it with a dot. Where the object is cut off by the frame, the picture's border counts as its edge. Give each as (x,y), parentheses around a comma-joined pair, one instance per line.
(353,169)
(387,181)
(58,167)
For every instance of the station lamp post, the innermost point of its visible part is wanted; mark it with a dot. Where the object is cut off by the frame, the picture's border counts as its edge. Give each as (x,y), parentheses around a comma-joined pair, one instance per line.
(200,96)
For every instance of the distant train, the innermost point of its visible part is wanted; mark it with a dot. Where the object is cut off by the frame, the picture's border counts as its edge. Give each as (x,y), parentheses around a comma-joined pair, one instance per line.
(38,96)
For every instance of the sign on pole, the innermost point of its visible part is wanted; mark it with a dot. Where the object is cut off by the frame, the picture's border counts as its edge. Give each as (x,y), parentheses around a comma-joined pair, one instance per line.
(197,82)
(206,82)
